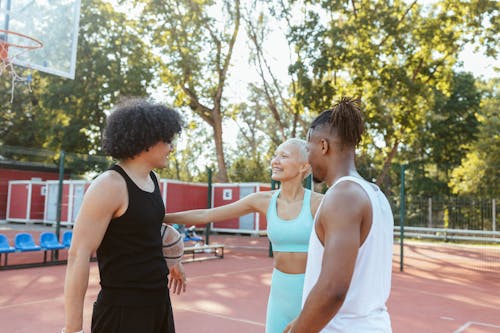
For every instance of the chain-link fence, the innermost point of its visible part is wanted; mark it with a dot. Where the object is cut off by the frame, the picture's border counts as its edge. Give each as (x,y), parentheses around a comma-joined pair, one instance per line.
(452,212)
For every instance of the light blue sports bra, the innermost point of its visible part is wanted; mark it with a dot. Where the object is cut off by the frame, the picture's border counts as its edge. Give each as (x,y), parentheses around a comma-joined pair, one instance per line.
(290,235)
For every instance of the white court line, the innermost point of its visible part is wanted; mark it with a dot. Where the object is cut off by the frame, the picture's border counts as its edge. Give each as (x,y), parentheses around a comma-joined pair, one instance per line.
(469,323)
(30,303)
(430,293)
(222,316)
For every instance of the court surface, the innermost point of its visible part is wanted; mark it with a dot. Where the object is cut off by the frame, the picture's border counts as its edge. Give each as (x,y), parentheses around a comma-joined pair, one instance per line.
(230,294)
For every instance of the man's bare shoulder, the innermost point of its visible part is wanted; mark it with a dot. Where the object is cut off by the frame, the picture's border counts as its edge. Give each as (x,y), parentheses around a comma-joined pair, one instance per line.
(108,182)
(346,194)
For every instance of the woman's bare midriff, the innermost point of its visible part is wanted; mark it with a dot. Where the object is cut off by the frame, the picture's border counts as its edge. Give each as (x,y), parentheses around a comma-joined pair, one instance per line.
(290,262)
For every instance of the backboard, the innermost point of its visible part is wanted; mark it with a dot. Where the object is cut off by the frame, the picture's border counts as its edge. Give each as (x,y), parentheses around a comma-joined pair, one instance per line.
(52,22)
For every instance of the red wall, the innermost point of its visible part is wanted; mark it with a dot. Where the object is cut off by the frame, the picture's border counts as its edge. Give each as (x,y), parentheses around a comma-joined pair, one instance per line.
(37,202)
(184,196)
(219,201)
(9,174)
(262,217)
(19,201)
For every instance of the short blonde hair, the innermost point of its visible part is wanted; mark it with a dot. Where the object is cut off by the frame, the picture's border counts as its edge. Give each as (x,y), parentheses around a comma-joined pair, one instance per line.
(301,144)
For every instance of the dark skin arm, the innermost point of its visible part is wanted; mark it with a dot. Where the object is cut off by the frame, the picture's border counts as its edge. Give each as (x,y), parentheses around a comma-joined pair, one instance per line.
(341,228)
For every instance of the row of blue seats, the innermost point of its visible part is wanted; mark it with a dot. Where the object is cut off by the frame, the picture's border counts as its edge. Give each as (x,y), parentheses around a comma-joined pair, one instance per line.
(24,242)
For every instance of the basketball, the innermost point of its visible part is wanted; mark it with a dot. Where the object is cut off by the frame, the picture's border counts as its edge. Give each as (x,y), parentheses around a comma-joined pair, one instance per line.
(173,245)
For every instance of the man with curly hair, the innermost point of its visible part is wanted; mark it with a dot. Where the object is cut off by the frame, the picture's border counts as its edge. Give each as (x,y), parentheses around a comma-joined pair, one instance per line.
(120,219)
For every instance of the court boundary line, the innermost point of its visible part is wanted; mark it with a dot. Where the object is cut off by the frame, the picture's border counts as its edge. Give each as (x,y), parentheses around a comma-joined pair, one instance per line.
(470,323)
(9,306)
(434,294)
(247,321)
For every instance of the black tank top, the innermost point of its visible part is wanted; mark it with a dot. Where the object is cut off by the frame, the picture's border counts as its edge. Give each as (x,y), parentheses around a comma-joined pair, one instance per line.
(131,265)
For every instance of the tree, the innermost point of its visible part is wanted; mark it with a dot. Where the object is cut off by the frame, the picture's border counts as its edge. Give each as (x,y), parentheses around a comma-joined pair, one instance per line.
(393,56)
(60,114)
(280,102)
(453,122)
(448,126)
(196,41)
(479,170)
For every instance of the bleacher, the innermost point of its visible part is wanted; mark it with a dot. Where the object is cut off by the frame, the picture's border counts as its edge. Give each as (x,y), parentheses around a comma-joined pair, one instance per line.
(25,242)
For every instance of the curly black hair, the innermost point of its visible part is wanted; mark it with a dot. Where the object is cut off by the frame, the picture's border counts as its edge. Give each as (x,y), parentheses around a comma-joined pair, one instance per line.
(345,118)
(137,124)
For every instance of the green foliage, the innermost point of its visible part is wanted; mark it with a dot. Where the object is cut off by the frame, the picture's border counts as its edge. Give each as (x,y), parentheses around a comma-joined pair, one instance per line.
(193,154)
(245,169)
(479,171)
(395,56)
(196,49)
(453,122)
(400,57)
(441,141)
(60,114)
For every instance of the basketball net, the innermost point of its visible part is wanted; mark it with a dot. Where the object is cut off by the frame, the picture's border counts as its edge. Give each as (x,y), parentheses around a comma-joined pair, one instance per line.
(10,50)
(4,50)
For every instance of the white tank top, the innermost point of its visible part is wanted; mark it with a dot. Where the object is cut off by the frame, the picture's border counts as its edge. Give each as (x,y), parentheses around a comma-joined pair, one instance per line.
(364,308)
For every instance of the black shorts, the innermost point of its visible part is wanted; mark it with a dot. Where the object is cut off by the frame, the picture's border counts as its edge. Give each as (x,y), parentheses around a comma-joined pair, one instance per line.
(130,319)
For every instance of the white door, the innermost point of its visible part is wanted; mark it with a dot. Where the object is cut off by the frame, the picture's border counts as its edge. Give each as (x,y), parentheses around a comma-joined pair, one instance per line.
(78,192)
(52,202)
(246,222)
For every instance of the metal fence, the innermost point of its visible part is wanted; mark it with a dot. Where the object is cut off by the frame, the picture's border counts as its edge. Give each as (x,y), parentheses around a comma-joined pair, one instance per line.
(449,234)
(449,213)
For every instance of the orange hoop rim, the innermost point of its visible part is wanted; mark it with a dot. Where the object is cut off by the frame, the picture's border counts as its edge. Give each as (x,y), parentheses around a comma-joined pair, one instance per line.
(38,43)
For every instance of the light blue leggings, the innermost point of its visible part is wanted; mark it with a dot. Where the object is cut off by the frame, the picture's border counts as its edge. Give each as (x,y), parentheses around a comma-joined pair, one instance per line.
(285,300)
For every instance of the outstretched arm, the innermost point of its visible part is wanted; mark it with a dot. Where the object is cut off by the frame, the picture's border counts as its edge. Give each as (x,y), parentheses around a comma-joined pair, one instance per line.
(339,228)
(93,219)
(255,202)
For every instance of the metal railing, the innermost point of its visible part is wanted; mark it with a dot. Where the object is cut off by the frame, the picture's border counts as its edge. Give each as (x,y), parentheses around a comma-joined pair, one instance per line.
(445,234)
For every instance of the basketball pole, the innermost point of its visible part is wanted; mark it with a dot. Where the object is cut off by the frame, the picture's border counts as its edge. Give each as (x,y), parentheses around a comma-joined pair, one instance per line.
(59,198)
(7,17)
(274,185)
(402,213)
(209,204)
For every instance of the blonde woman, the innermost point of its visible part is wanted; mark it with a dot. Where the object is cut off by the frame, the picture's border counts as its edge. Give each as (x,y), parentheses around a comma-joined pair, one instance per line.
(290,213)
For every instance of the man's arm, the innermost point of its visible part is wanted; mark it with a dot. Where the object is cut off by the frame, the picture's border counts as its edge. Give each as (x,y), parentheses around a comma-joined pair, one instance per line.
(339,230)
(255,202)
(98,208)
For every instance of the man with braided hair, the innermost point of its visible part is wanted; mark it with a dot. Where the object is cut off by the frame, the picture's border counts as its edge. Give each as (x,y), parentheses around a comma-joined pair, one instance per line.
(348,272)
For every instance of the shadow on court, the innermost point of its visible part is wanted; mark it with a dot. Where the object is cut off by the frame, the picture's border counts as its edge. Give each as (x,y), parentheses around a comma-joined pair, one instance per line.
(230,294)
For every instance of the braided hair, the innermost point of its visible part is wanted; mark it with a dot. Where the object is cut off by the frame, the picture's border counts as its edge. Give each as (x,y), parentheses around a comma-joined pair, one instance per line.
(344,119)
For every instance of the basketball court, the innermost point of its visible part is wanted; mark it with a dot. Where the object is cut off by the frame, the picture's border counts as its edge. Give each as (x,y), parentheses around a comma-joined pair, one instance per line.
(443,293)
(432,295)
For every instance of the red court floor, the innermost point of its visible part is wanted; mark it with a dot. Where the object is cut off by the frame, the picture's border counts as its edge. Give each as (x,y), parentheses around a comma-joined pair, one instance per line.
(230,294)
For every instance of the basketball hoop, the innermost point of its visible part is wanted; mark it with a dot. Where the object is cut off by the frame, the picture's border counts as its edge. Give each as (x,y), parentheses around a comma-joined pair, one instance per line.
(13,45)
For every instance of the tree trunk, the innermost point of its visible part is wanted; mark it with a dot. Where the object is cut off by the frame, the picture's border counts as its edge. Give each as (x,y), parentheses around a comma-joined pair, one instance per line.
(221,175)
(387,163)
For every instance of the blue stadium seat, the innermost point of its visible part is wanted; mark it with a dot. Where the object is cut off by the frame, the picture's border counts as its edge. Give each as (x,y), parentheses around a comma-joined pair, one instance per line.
(49,242)
(66,238)
(5,248)
(24,242)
